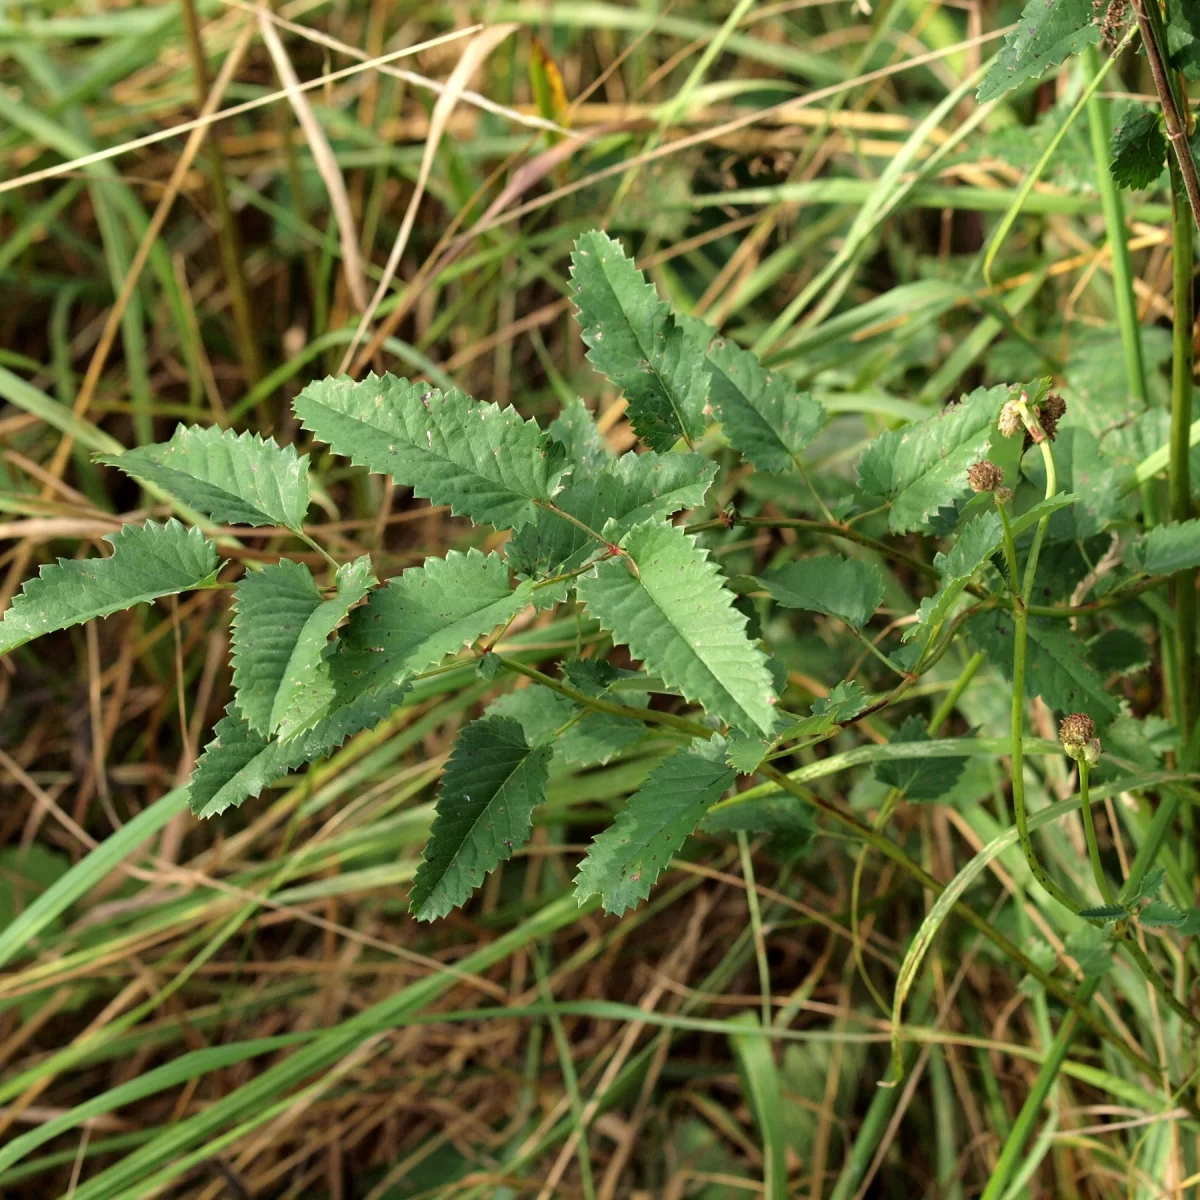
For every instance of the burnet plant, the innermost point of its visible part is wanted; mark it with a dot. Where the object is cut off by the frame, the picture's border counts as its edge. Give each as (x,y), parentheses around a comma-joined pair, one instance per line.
(316,660)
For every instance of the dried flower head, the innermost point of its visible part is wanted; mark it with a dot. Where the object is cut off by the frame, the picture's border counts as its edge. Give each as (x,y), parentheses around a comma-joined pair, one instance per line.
(1110,16)
(1050,412)
(1010,418)
(1078,736)
(985,476)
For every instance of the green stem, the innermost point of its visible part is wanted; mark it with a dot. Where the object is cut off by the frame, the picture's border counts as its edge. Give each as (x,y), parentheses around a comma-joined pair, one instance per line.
(833,529)
(1089,830)
(1039,534)
(1179,484)
(1006,946)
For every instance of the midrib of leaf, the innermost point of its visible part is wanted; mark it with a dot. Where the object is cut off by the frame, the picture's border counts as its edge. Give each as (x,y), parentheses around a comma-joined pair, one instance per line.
(648,353)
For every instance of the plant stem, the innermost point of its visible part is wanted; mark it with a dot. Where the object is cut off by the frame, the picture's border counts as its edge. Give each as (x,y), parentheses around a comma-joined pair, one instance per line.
(1179,483)
(1149,20)
(1089,831)
(830,527)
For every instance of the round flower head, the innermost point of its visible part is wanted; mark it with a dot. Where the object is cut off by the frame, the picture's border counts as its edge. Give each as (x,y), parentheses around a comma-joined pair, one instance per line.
(985,476)
(1010,419)
(1050,412)
(1078,736)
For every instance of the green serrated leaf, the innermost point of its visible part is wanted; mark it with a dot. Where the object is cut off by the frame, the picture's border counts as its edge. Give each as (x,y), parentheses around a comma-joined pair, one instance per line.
(626,491)
(666,601)
(592,740)
(1084,469)
(235,479)
(281,627)
(1139,150)
(1168,548)
(633,338)
(1149,887)
(1183,37)
(1047,34)
(1158,914)
(922,468)
(422,615)
(239,763)
(789,822)
(493,782)
(761,412)
(1191,923)
(979,540)
(574,428)
(1090,949)
(624,861)
(147,561)
(920,779)
(840,587)
(485,462)
(1104,912)
(307,688)
(843,703)
(1057,665)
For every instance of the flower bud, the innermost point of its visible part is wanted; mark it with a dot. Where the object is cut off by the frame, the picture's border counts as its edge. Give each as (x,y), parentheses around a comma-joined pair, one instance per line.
(1078,736)
(985,476)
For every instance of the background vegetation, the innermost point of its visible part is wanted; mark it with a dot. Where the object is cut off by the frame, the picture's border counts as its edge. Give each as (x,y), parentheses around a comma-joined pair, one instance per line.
(818,180)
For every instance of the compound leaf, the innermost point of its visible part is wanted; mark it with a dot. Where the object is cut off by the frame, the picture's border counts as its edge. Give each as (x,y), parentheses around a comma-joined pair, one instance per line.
(1139,150)
(840,587)
(923,468)
(919,778)
(485,462)
(761,412)
(1047,34)
(147,561)
(422,615)
(626,491)
(633,338)
(624,861)
(665,600)
(235,479)
(493,782)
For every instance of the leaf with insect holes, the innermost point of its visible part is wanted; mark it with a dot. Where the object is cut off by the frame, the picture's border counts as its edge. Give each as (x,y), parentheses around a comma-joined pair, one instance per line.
(594,737)
(239,763)
(485,462)
(919,778)
(979,540)
(492,783)
(633,338)
(624,861)
(1046,35)
(574,428)
(281,625)
(761,412)
(236,479)
(666,601)
(422,615)
(840,587)
(1139,150)
(1167,548)
(626,491)
(148,561)
(1058,667)
(922,468)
